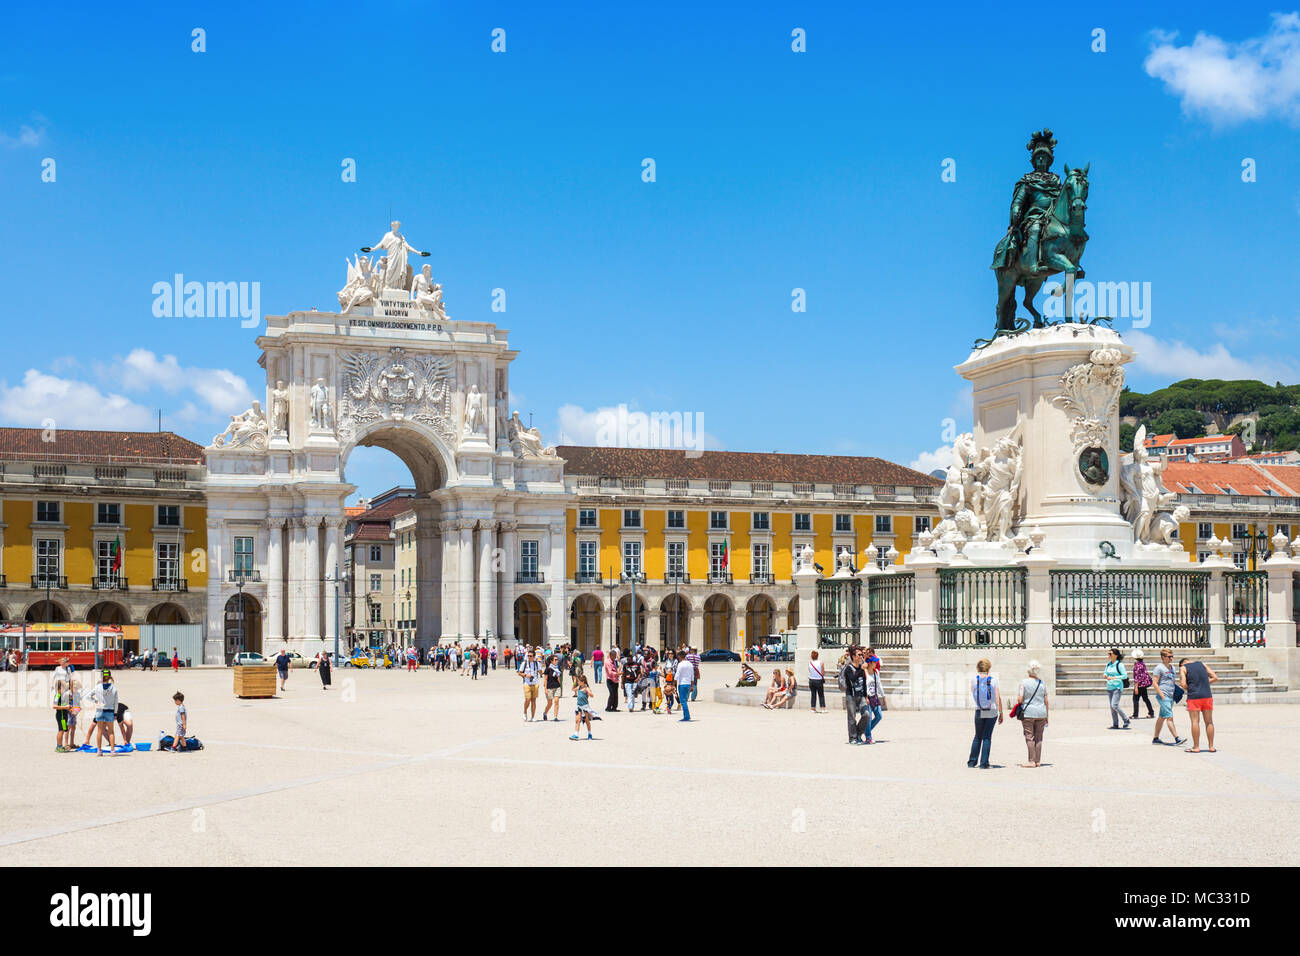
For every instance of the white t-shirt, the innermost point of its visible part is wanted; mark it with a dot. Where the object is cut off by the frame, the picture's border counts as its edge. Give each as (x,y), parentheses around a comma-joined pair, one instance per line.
(815,671)
(685,673)
(530,670)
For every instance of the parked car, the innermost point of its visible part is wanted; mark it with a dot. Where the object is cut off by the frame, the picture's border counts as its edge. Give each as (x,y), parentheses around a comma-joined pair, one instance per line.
(296,660)
(719,654)
(248,657)
(336,660)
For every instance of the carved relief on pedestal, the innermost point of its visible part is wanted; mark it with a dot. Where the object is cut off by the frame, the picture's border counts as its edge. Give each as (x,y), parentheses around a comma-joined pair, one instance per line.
(1090,395)
(397,386)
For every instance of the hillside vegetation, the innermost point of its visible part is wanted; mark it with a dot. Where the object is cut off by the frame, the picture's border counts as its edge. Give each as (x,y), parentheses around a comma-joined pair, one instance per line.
(1188,407)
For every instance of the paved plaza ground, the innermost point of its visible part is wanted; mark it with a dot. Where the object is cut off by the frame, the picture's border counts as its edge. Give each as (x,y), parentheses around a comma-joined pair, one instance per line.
(396,768)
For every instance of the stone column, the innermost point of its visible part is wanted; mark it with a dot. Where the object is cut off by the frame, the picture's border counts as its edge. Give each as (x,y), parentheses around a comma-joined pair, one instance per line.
(311,580)
(448,531)
(506,592)
(295,597)
(214,644)
(652,625)
(487,579)
(333,587)
(558,618)
(465,577)
(695,626)
(1038,623)
(428,578)
(274,620)
(1216,604)
(1280,629)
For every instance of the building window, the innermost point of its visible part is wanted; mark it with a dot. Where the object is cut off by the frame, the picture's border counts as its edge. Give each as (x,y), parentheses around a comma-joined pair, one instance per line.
(243,555)
(631,517)
(676,560)
(169,516)
(108,514)
(718,520)
(47,511)
(1238,530)
(586,517)
(802,521)
(169,565)
(632,558)
(528,551)
(104,573)
(1202,556)
(587,559)
(376,614)
(1239,559)
(719,563)
(762,561)
(762,521)
(1204,530)
(884,524)
(376,582)
(376,552)
(843,522)
(922,523)
(677,519)
(47,561)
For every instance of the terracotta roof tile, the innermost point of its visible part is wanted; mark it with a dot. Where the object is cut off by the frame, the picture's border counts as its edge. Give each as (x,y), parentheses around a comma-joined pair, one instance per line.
(737,466)
(72,444)
(1215,478)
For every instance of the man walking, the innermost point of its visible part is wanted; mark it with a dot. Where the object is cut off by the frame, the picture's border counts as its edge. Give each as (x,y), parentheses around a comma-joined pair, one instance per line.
(694,658)
(854,683)
(282,666)
(1195,677)
(1165,678)
(685,681)
(529,670)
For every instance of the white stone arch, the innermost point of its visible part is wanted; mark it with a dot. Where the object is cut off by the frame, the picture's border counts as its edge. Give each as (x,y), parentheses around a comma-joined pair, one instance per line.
(418,446)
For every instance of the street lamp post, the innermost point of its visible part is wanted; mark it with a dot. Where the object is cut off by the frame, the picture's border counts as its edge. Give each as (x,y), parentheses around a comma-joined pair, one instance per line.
(1256,545)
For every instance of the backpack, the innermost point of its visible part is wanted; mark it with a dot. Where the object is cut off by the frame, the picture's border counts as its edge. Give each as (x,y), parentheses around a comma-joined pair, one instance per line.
(983,683)
(841,681)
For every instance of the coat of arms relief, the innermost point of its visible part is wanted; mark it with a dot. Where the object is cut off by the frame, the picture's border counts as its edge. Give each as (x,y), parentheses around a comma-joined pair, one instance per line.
(396,386)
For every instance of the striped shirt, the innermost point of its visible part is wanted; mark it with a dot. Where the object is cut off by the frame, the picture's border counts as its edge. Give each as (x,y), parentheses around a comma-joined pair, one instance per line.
(693,658)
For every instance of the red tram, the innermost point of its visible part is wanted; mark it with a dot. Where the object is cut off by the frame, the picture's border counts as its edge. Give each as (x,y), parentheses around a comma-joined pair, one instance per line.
(44,644)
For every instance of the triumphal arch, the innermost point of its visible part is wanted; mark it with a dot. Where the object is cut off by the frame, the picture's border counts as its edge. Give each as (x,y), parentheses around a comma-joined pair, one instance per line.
(390,369)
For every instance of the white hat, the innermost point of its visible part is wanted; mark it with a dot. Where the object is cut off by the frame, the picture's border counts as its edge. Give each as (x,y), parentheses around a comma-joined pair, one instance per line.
(1138,653)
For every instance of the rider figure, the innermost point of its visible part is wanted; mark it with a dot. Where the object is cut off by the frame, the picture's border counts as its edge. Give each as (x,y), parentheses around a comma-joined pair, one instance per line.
(1031,205)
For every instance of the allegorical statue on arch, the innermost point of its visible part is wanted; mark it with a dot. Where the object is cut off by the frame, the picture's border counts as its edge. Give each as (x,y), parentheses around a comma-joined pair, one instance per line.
(382,272)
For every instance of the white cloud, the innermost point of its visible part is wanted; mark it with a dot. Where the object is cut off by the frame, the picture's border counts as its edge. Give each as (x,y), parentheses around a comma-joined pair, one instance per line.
(27,136)
(621,426)
(928,461)
(222,391)
(1233,82)
(1178,360)
(70,403)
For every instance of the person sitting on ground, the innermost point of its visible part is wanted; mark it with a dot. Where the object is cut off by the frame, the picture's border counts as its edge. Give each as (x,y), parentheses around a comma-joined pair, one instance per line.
(748,676)
(777,687)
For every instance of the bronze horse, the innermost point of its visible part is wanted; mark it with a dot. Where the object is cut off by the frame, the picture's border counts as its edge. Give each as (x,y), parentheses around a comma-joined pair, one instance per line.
(1061,242)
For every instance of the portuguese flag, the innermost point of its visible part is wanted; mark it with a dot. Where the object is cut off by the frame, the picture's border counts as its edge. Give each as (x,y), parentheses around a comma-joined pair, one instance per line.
(116,552)
(726,555)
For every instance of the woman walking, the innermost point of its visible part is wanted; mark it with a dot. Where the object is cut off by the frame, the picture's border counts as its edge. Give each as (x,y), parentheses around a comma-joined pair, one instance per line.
(1116,678)
(611,679)
(816,684)
(1031,708)
(323,666)
(1141,681)
(988,714)
(875,694)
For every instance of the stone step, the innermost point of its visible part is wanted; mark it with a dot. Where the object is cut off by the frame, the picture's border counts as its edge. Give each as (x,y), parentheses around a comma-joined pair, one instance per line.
(1222,687)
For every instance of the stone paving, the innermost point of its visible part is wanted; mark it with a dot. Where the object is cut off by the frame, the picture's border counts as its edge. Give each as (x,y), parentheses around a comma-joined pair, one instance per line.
(424,768)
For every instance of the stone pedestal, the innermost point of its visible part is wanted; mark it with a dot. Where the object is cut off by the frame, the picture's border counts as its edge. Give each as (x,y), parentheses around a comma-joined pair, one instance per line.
(1056,391)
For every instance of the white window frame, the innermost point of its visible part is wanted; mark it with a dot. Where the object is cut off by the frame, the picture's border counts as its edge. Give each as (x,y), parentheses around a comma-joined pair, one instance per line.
(588,555)
(243,560)
(766,521)
(797,516)
(760,559)
(167,581)
(848,522)
(158,516)
(376,552)
(675,559)
(582,515)
(632,555)
(530,550)
(52,547)
(58,508)
(713,521)
(888,521)
(668,520)
(632,518)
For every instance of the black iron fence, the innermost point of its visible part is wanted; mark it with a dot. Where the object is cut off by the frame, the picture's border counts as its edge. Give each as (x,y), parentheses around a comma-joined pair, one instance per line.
(982,607)
(839,612)
(1151,608)
(1245,611)
(891,609)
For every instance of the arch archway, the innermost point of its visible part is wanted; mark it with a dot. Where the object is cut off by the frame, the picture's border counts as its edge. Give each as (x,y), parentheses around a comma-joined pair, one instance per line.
(243,624)
(108,612)
(674,622)
(792,614)
(37,614)
(530,620)
(623,634)
(760,619)
(167,613)
(719,622)
(585,619)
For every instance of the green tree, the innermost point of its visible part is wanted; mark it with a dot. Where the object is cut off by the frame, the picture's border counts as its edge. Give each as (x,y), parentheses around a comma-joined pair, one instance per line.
(1126,432)
(1183,422)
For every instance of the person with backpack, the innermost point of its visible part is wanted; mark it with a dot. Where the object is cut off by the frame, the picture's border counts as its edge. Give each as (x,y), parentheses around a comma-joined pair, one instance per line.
(1116,681)
(1031,711)
(853,684)
(988,713)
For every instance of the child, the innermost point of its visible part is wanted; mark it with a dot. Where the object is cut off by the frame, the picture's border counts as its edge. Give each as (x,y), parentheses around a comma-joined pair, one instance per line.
(182,722)
(61,707)
(670,685)
(73,711)
(107,714)
(92,704)
(582,715)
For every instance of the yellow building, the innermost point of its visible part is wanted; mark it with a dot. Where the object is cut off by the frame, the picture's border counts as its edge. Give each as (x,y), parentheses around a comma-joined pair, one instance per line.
(70,500)
(709,540)
(1232,501)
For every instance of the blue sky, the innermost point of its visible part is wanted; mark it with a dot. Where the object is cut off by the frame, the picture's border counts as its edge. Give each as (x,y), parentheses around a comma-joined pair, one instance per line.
(775,170)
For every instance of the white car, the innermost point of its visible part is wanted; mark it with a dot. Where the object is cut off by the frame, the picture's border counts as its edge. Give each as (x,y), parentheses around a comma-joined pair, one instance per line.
(248,657)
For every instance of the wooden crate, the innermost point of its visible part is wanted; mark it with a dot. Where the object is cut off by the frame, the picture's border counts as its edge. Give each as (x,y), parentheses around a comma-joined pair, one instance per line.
(257,681)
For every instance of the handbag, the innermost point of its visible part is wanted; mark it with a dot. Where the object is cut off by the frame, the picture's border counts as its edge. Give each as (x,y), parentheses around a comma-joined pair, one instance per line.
(1018,711)
(1178,694)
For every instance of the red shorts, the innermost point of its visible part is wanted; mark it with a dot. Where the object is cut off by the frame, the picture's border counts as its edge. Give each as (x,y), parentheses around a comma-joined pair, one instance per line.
(1200,703)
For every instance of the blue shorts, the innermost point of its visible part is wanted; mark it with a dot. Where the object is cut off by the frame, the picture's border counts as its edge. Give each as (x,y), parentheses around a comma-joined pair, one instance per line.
(1167,705)
(104,716)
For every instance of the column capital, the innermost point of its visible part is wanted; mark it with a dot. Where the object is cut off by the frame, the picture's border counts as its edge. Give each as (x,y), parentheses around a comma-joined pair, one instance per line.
(466,524)
(488,526)
(446,526)
(509,525)
(274,522)
(213,524)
